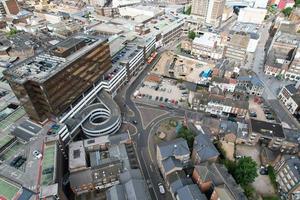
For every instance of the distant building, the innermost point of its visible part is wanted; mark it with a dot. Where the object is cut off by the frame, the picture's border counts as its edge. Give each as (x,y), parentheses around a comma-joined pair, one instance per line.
(132,186)
(252,15)
(214,180)
(282,4)
(288,177)
(207,45)
(172,156)
(9,7)
(293,72)
(209,11)
(250,85)
(236,47)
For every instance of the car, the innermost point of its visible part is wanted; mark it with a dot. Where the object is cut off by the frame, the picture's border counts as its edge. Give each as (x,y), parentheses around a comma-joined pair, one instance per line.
(166,100)
(134,122)
(263,171)
(15,160)
(156,98)
(20,162)
(161,188)
(48,170)
(253,114)
(161,99)
(37,154)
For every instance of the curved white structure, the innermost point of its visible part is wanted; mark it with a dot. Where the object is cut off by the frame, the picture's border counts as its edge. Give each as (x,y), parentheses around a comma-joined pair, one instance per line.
(100,119)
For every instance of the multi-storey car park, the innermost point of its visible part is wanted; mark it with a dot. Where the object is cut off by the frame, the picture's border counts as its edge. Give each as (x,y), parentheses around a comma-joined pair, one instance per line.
(67,83)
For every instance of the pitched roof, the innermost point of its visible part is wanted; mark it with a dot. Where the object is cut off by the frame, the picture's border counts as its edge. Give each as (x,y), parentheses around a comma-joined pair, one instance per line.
(203,146)
(190,192)
(177,147)
(170,163)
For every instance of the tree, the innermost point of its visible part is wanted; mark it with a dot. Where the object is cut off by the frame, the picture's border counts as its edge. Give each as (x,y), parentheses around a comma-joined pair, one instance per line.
(297,3)
(186,134)
(188,10)
(245,171)
(287,11)
(192,35)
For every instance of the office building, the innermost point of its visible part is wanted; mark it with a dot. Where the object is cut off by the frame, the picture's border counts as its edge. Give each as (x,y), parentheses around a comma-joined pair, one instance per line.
(209,11)
(252,15)
(293,73)
(48,83)
(236,47)
(207,45)
(9,7)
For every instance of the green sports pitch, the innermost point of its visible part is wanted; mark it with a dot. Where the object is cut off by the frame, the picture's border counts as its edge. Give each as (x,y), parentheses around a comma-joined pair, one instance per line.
(7,190)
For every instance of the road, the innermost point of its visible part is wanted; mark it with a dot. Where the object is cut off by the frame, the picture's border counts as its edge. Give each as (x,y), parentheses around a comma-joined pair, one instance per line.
(272,85)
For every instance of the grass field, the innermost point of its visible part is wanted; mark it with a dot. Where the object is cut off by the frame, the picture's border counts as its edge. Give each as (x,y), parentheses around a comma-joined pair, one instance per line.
(7,190)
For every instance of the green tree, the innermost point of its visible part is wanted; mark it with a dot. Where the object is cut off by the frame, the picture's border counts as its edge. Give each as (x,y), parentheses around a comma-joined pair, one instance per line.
(272,176)
(297,3)
(287,11)
(187,134)
(249,191)
(188,10)
(192,35)
(245,171)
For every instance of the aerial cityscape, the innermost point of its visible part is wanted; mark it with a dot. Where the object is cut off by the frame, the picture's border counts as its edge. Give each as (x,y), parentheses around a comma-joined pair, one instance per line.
(150,99)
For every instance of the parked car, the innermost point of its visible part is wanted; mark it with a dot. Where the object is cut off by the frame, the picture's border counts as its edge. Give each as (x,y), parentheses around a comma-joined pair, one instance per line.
(15,160)
(253,114)
(134,122)
(161,188)
(20,162)
(37,154)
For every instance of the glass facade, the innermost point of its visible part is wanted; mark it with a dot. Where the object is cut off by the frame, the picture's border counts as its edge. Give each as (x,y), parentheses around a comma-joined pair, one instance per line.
(55,94)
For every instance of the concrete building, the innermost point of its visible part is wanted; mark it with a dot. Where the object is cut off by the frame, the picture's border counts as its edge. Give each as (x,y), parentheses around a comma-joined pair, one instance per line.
(252,15)
(48,83)
(250,85)
(9,7)
(98,163)
(290,97)
(209,11)
(293,72)
(236,47)
(288,177)
(270,134)
(53,171)
(207,45)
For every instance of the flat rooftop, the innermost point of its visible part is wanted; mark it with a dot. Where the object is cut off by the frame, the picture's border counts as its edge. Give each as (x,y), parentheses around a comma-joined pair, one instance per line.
(46,64)
(48,164)
(267,129)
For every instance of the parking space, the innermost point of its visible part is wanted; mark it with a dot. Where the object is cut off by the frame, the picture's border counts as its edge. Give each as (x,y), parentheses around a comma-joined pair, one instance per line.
(261,111)
(168,91)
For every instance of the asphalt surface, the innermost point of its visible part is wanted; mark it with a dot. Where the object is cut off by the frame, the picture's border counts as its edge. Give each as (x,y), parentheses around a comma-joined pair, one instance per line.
(272,85)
